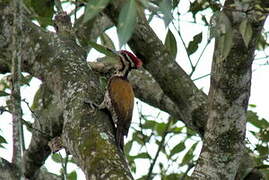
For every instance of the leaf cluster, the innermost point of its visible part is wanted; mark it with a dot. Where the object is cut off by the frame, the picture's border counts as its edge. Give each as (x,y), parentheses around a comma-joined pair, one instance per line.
(157,139)
(260,143)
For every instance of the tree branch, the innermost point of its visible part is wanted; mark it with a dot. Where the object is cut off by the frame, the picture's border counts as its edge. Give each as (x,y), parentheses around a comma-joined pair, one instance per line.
(11,172)
(18,141)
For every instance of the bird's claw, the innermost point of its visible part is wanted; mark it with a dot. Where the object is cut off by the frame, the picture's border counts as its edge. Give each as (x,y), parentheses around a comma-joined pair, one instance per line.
(91,104)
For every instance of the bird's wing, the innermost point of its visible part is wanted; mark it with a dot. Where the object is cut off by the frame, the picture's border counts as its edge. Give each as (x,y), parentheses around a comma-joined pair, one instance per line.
(122,100)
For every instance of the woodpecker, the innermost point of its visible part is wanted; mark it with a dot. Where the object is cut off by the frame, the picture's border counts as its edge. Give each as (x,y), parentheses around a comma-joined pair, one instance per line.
(119,95)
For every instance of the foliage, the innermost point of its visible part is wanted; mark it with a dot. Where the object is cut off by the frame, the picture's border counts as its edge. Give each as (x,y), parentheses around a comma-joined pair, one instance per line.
(64,161)
(167,146)
(246,31)
(93,8)
(171,141)
(260,147)
(171,44)
(127,20)
(2,141)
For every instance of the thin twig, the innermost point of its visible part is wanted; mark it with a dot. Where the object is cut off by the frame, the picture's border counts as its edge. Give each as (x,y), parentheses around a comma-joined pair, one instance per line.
(190,166)
(37,119)
(141,129)
(18,140)
(202,53)
(58,6)
(181,38)
(76,9)
(64,162)
(159,149)
(201,77)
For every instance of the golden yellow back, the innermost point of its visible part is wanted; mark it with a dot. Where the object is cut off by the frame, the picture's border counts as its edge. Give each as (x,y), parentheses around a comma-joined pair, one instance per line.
(122,99)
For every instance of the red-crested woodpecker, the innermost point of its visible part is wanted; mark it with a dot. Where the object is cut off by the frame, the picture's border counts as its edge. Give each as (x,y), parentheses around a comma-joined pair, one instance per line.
(119,96)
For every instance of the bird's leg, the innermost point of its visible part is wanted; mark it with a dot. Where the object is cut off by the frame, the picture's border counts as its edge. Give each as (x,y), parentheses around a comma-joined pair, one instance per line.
(94,105)
(91,104)
(101,106)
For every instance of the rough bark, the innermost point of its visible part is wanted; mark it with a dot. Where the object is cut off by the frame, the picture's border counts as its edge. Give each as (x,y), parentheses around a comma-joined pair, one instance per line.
(229,93)
(58,61)
(60,64)
(11,172)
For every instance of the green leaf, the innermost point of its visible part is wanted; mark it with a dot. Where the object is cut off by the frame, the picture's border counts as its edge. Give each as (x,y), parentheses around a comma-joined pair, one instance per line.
(57,158)
(165,8)
(128,147)
(107,42)
(190,133)
(177,130)
(195,7)
(173,176)
(254,120)
(224,36)
(26,80)
(72,176)
(3,93)
(262,42)
(193,45)
(246,31)
(93,8)
(143,156)
(102,49)
(149,124)
(264,135)
(175,3)
(252,105)
(127,21)
(205,20)
(2,140)
(44,10)
(171,44)
(160,128)
(71,160)
(263,150)
(138,137)
(178,148)
(189,155)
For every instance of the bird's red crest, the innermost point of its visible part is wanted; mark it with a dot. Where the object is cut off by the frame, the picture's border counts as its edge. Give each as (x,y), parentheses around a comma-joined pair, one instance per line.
(138,63)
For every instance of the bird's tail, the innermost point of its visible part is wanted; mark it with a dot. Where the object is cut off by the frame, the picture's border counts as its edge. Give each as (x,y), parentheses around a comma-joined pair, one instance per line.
(120,137)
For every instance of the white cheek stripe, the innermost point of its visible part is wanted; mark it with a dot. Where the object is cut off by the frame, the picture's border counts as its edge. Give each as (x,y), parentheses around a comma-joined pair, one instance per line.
(130,60)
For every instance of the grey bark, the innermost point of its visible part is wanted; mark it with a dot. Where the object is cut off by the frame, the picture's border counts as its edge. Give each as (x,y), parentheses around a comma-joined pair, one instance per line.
(60,63)
(223,143)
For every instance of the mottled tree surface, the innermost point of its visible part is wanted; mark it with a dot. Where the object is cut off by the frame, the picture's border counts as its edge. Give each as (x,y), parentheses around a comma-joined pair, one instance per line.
(59,61)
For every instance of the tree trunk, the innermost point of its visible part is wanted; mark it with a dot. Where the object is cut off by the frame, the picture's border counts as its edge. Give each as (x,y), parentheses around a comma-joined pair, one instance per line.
(87,134)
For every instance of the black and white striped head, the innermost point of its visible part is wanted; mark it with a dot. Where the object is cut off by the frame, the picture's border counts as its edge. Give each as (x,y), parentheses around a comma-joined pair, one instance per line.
(130,58)
(128,61)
